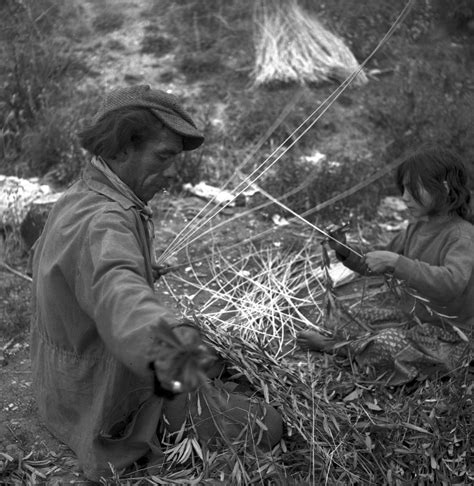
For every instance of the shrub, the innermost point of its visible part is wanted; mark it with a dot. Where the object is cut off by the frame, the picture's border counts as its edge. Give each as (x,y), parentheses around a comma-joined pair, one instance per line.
(41,66)
(431,102)
(51,148)
(363,24)
(38,68)
(456,13)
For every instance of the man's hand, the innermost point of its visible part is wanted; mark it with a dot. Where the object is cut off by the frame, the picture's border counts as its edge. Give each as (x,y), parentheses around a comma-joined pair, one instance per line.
(160,270)
(166,266)
(381,261)
(182,369)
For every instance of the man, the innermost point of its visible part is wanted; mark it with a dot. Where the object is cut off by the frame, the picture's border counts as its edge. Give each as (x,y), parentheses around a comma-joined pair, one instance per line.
(100,339)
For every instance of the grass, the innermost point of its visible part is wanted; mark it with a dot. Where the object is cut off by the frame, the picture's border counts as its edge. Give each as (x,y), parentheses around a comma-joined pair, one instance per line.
(38,101)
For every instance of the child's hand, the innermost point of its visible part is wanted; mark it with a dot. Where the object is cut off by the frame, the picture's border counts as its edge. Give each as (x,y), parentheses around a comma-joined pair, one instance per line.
(381,261)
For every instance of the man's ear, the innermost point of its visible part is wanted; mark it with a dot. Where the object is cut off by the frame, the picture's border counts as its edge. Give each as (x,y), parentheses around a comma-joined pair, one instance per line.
(119,158)
(122,155)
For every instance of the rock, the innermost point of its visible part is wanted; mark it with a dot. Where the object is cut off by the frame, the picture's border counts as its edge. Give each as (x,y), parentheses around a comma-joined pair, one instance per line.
(34,221)
(16,195)
(25,203)
(215,194)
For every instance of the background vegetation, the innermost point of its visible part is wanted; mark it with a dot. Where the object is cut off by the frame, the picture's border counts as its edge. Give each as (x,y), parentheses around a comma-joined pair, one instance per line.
(420,89)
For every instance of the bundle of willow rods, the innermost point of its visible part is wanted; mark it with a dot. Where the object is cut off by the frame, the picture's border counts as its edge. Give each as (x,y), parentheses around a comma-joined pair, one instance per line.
(293,46)
(340,427)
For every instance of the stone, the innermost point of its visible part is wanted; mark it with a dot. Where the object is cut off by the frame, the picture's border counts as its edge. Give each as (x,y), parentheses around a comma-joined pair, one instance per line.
(34,221)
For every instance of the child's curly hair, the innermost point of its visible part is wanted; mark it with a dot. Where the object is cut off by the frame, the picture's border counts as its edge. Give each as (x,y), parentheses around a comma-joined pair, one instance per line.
(443,174)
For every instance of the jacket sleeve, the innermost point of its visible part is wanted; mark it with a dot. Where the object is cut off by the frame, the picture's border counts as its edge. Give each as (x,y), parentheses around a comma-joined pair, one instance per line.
(441,283)
(112,288)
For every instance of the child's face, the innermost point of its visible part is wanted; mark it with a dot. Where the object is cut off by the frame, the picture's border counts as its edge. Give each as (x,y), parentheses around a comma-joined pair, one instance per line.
(417,209)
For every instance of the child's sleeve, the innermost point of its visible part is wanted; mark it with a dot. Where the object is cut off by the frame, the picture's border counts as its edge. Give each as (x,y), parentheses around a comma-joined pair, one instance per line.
(397,244)
(440,283)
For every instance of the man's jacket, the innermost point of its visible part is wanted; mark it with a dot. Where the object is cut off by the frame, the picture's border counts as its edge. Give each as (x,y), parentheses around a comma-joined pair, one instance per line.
(95,327)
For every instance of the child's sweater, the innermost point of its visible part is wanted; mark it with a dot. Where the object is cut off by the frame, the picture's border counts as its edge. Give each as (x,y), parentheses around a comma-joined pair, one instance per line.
(437,260)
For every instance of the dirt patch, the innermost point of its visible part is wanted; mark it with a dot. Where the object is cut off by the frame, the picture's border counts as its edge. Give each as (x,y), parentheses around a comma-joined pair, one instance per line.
(132,51)
(22,434)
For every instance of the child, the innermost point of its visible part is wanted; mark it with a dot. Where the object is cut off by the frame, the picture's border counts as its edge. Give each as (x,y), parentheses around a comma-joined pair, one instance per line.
(434,259)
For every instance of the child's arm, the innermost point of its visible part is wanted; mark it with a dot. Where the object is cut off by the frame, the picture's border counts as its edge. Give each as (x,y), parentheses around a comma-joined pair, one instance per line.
(440,283)
(384,260)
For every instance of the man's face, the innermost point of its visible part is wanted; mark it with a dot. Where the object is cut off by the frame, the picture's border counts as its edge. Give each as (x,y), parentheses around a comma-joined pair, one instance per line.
(149,168)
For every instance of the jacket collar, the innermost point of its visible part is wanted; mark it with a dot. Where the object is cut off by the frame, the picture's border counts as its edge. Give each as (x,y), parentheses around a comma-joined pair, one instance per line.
(98,182)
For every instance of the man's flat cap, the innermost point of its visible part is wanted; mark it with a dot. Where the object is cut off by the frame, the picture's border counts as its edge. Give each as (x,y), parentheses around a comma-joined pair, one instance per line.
(164,106)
